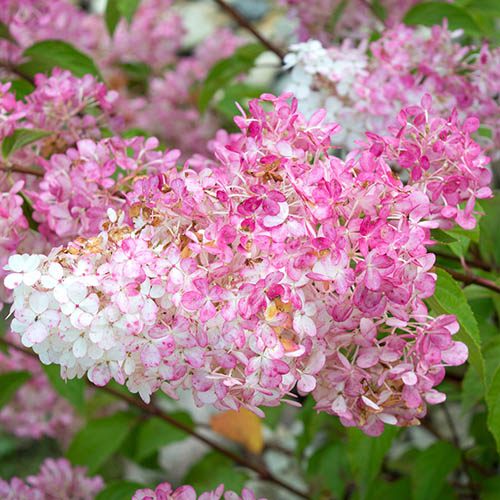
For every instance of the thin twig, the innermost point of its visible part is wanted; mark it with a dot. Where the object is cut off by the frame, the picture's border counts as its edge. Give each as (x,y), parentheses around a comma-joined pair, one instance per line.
(22,170)
(153,410)
(472,279)
(17,71)
(245,24)
(480,264)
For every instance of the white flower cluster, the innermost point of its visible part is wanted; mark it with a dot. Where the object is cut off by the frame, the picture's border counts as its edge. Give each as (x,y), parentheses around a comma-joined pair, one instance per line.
(327,78)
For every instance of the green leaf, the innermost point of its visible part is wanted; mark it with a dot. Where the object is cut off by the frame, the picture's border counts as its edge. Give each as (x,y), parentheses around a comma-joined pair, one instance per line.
(328,468)
(311,423)
(155,433)
(238,93)
(273,416)
(99,440)
(336,15)
(28,212)
(489,239)
(212,470)
(379,10)
(20,138)
(112,16)
(491,7)
(48,54)
(5,33)
(9,383)
(431,470)
(226,69)
(116,9)
(471,234)
(393,490)
(493,404)
(21,88)
(449,298)
(128,8)
(442,236)
(137,71)
(119,490)
(366,455)
(431,13)
(72,390)
(490,488)
(485,131)
(472,389)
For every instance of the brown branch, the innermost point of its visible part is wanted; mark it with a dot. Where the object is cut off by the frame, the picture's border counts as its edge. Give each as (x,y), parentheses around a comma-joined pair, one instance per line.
(22,170)
(479,264)
(151,409)
(472,279)
(246,25)
(17,71)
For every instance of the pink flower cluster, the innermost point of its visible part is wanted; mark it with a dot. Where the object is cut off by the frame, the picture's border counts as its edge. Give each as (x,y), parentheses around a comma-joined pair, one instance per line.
(69,109)
(66,107)
(165,491)
(72,107)
(168,105)
(354,18)
(80,185)
(170,109)
(36,410)
(363,87)
(30,21)
(442,159)
(275,265)
(56,479)
(154,37)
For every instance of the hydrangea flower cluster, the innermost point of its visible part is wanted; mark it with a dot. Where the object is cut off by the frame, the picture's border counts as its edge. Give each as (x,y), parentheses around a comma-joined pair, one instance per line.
(36,410)
(149,44)
(165,491)
(31,21)
(56,479)
(154,37)
(353,19)
(80,185)
(170,110)
(363,86)
(68,109)
(275,265)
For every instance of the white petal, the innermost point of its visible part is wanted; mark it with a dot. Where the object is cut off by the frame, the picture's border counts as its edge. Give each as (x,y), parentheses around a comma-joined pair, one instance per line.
(60,294)
(32,263)
(13,280)
(25,315)
(94,351)
(387,418)
(56,271)
(370,403)
(16,263)
(90,304)
(276,220)
(31,278)
(76,292)
(48,281)
(18,327)
(50,318)
(80,348)
(67,308)
(36,333)
(39,301)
